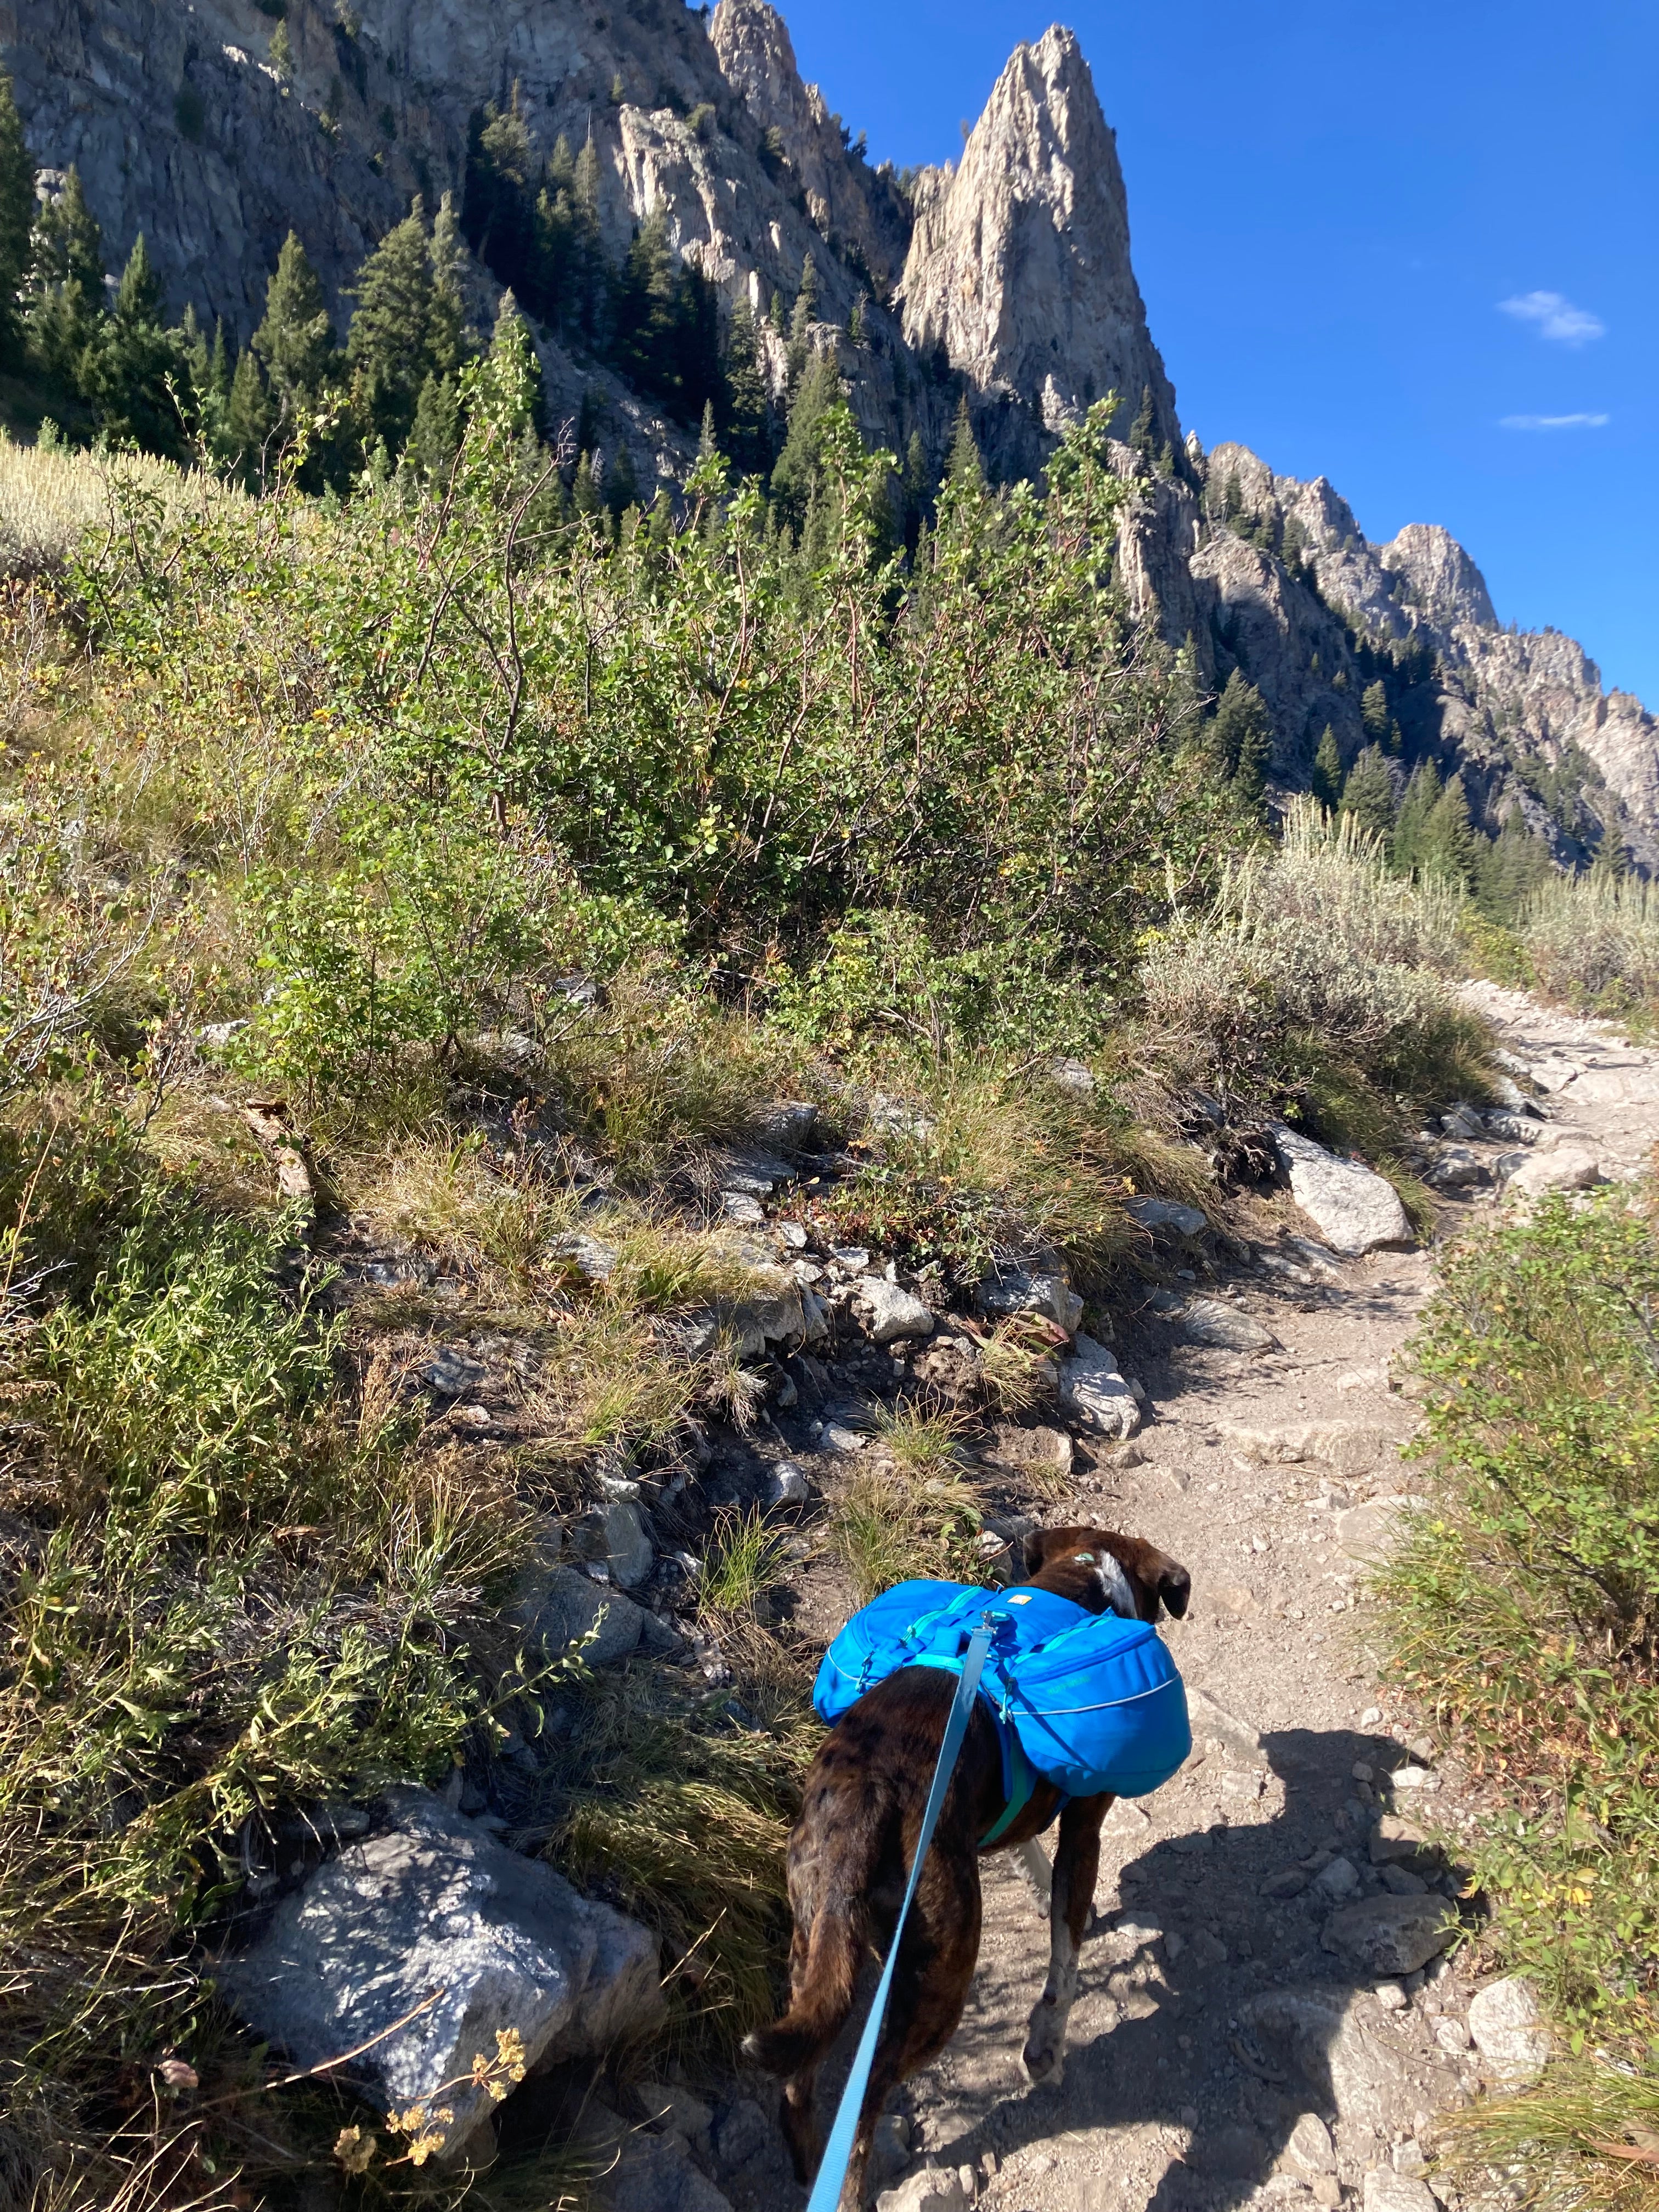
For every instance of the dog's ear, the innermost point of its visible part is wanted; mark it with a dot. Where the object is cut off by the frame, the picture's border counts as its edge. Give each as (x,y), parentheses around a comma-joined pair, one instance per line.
(1034,1553)
(1174,1587)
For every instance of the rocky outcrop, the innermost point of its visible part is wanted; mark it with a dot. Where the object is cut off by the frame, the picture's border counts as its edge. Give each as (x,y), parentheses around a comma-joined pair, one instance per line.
(1018,269)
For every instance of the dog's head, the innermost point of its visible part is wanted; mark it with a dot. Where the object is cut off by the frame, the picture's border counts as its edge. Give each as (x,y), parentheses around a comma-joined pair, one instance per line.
(1105,1572)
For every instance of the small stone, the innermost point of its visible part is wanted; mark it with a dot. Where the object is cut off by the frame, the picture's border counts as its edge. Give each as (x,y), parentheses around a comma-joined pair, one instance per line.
(892,1314)
(792,1234)
(1409,2158)
(1155,1213)
(1451,2035)
(452,1372)
(1401,1841)
(837,1438)
(1289,1882)
(612,1535)
(1371,1717)
(1356,1211)
(1391,1995)
(1327,2192)
(1223,1328)
(1372,1532)
(935,2188)
(1566,1169)
(1509,2030)
(743,1209)
(1387,2191)
(1044,1291)
(1339,1878)
(889,2148)
(1245,1783)
(786,1485)
(1402,1880)
(1092,1385)
(1235,1601)
(743,2135)
(1411,1778)
(1309,2151)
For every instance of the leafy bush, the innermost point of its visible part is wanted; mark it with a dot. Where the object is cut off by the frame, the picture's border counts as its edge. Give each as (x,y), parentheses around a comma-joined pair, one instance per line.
(1524,1608)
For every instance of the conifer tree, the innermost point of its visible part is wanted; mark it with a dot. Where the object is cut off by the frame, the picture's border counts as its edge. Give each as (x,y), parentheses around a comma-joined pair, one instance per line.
(1141,430)
(747,402)
(251,416)
(584,491)
(64,296)
(1368,795)
(588,273)
(709,444)
(621,487)
(1452,843)
(500,198)
(1240,737)
(388,346)
(1509,868)
(964,471)
(917,487)
(1328,770)
(1422,795)
(799,464)
(435,437)
(1374,712)
(294,340)
(448,340)
(133,370)
(17,221)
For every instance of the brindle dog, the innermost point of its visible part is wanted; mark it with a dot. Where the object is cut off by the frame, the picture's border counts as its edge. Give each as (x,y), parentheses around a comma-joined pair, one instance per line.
(849,1859)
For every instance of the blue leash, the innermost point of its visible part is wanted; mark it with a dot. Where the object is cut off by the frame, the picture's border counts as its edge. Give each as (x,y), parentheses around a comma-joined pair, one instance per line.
(838,2151)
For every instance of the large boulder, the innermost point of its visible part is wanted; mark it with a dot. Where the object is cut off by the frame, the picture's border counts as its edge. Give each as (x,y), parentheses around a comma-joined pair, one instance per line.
(427,1942)
(1355,1211)
(1091,1385)
(1568,1167)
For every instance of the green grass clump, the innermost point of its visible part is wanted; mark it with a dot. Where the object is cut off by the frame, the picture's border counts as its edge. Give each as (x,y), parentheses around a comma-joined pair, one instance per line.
(1522,1609)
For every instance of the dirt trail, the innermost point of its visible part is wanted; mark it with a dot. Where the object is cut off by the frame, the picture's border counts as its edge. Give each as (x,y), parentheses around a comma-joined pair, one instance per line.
(1211,2019)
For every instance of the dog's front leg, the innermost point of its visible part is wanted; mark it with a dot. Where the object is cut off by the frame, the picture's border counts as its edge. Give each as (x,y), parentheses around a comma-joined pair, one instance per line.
(1076,1862)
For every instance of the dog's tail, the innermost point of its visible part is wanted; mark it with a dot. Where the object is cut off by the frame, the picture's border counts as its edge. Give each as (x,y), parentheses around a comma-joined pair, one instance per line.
(824,1994)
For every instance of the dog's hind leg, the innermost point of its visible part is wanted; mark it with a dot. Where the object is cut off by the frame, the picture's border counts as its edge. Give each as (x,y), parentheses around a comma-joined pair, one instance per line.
(823,1965)
(1077,1862)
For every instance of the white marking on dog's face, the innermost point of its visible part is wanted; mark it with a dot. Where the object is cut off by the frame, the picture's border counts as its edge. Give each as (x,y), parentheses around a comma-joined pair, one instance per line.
(1115,1586)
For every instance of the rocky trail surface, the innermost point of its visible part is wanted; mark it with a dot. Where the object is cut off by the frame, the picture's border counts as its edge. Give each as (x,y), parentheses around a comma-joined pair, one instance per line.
(1266,2016)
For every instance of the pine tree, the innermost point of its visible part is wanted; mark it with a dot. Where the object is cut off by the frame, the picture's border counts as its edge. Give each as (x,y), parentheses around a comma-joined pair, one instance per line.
(501,197)
(436,438)
(584,491)
(251,417)
(294,340)
(1328,770)
(799,464)
(1369,794)
(1374,713)
(709,444)
(802,316)
(1452,843)
(132,371)
(643,316)
(1142,430)
(65,297)
(1508,870)
(964,471)
(449,341)
(621,487)
(1240,737)
(388,346)
(918,487)
(17,222)
(746,400)
(1422,795)
(588,273)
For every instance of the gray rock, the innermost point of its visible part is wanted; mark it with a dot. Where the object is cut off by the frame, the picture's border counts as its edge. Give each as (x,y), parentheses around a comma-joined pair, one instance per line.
(786,1483)
(554,1609)
(934,2189)
(1510,2032)
(1339,1878)
(1568,1167)
(1457,1168)
(1400,1880)
(1092,1387)
(1309,2151)
(751,1173)
(613,1533)
(1012,1290)
(745,2140)
(1051,1450)
(740,1208)
(452,1372)
(1463,1121)
(889,2148)
(1208,1718)
(1513,1128)
(651,2173)
(1074,1076)
(1396,1841)
(1389,1935)
(438,1904)
(1372,1532)
(892,1314)
(788,1123)
(1347,2053)
(1157,1214)
(1355,1211)
(1208,1322)
(1387,2191)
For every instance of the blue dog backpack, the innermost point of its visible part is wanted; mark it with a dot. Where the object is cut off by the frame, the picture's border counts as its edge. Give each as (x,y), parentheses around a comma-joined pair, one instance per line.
(1093,1701)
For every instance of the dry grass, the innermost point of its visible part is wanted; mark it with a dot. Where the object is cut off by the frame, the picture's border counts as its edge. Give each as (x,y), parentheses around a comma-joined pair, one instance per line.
(1593,943)
(1584,2139)
(918,1514)
(52,497)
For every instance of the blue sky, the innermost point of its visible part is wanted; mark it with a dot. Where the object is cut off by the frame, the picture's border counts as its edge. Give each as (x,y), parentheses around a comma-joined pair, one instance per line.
(1330,203)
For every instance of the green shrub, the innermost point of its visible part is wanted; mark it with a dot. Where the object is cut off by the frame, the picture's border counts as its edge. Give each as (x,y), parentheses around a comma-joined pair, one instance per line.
(1593,943)
(1524,1605)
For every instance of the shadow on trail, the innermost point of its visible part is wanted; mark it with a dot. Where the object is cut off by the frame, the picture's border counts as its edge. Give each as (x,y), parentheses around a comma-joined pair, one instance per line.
(1250,2025)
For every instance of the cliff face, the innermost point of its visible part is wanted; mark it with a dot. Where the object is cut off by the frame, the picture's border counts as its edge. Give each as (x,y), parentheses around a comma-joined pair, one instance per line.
(1007,278)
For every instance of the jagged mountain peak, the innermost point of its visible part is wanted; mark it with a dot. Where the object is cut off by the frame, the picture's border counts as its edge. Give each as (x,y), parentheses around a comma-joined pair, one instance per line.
(1442,579)
(1020,265)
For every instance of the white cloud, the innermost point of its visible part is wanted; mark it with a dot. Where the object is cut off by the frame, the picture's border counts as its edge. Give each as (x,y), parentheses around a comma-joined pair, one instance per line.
(1554,422)
(1556,317)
